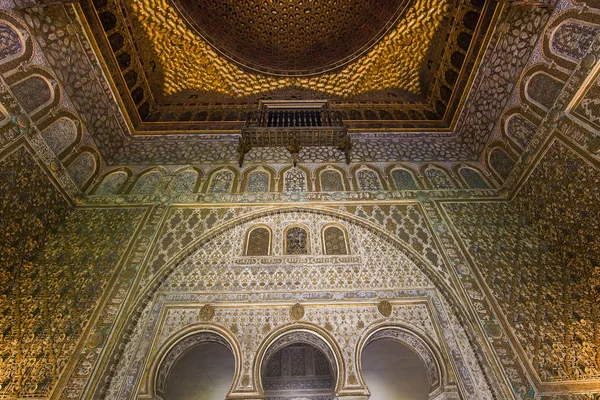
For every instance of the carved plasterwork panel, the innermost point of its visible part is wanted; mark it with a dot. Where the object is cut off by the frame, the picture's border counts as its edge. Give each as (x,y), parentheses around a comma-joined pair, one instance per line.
(182,227)
(347,325)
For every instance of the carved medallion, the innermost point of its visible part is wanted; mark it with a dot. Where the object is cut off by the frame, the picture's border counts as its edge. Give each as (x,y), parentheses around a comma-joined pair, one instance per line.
(297,312)
(246,381)
(588,61)
(385,308)
(95,340)
(594,146)
(352,379)
(23,121)
(207,312)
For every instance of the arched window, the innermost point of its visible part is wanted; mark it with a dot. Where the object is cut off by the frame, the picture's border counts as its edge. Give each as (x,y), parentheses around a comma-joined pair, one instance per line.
(60,135)
(296,241)
(331,181)
(204,372)
(295,181)
(199,366)
(112,183)
(473,179)
(221,182)
(147,184)
(543,89)
(520,129)
(258,242)
(258,182)
(33,93)
(368,180)
(501,162)
(403,180)
(334,241)
(573,39)
(394,371)
(439,179)
(82,169)
(185,182)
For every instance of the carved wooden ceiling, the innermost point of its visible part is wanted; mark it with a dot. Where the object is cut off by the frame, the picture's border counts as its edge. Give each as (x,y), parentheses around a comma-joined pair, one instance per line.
(384,64)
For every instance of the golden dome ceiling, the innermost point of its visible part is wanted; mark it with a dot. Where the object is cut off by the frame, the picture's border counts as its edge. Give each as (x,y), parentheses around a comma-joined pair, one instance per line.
(291,37)
(187,61)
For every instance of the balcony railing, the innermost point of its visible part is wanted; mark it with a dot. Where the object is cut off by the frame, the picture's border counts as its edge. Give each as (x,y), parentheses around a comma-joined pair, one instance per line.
(294,119)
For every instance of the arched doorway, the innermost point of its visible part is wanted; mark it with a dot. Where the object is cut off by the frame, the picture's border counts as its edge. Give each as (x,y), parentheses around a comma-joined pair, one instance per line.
(197,366)
(204,372)
(298,371)
(392,370)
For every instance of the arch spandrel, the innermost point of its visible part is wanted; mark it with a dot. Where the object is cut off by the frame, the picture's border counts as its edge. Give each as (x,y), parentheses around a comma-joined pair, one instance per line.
(406,225)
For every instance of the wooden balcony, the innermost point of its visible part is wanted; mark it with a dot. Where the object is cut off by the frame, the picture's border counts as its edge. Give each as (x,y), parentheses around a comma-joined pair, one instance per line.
(294,125)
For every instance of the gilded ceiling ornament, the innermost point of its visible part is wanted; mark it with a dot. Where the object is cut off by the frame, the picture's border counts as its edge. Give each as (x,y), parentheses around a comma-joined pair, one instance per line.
(207,312)
(385,308)
(297,312)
